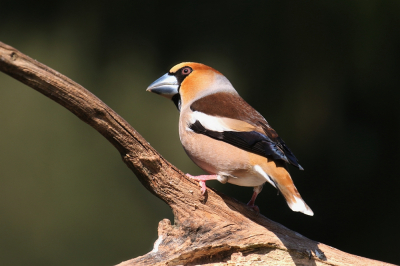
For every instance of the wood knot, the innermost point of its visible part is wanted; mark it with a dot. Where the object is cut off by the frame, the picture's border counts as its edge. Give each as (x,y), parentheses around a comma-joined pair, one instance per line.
(320,254)
(151,163)
(14,56)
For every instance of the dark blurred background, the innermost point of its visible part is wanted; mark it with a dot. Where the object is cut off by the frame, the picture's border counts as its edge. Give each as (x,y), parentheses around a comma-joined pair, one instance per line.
(325,74)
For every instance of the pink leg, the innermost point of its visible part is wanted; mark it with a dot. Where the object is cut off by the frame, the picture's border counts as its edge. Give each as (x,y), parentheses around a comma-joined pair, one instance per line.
(252,200)
(257,191)
(202,180)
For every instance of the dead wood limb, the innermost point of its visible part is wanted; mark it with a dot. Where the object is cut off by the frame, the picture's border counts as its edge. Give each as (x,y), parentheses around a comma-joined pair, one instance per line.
(214,228)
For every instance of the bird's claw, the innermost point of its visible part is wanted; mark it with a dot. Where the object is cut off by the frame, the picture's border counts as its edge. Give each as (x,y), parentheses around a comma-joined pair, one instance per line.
(253,207)
(203,187)
(202,183)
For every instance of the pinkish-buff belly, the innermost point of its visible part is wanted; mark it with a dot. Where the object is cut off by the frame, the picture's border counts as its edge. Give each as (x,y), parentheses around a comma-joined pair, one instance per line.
(218,157)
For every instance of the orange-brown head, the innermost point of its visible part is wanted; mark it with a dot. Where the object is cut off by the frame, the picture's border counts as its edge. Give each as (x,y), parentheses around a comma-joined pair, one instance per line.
(189,81)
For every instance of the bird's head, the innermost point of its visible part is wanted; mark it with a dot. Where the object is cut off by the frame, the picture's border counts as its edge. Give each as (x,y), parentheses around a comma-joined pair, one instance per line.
(187,82)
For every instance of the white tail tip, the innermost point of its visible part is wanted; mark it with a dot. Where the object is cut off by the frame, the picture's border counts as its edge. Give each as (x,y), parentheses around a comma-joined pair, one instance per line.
(300,206)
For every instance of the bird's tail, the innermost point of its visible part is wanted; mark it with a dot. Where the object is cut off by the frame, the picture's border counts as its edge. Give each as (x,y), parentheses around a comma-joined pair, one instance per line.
(292,196)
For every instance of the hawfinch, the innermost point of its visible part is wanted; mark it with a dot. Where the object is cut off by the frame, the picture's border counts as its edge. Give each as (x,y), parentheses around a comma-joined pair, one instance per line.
(225,136)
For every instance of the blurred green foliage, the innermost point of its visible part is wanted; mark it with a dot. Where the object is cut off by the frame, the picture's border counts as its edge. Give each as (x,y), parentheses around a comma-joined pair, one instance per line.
(325,74)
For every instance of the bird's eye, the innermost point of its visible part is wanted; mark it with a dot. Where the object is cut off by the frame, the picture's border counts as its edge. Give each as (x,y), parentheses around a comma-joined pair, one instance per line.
(186,70)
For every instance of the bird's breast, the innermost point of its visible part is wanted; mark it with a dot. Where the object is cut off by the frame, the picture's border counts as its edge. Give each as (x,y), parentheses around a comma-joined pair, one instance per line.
(217,157)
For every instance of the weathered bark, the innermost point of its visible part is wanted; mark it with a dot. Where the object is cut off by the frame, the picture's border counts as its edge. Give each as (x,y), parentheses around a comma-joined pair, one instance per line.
(209,229)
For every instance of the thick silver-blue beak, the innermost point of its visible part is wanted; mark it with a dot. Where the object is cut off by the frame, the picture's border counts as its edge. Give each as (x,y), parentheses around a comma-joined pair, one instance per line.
(167,86)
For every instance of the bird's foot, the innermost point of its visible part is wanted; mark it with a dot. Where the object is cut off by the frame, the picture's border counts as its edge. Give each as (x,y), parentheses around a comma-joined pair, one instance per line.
(203,187)
(254,208)
(202,181)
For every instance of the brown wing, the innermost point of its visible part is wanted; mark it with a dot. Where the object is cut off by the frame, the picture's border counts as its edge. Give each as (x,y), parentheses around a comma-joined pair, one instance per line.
(224,104)
(263,140)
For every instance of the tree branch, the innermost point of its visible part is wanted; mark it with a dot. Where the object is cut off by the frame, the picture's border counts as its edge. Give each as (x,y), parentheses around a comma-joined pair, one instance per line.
(213,228)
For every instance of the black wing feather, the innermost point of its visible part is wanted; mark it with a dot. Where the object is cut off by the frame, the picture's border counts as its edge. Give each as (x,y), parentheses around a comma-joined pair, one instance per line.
(251,141)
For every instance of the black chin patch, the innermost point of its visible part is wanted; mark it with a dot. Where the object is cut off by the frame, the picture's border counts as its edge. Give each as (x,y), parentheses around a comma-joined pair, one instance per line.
(177,101)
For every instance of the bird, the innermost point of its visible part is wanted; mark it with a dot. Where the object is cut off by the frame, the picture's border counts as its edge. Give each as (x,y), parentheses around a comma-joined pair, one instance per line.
(226,137)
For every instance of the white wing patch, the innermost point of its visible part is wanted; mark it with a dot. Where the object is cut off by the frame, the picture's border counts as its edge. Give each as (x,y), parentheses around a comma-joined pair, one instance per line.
(219,124)
(209,122)
(259,170)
